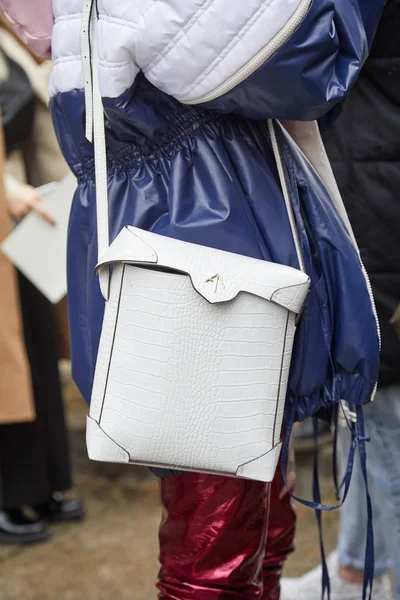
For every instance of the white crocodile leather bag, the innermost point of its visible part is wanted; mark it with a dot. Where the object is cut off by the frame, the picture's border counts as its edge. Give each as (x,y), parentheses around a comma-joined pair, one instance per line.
(195,349)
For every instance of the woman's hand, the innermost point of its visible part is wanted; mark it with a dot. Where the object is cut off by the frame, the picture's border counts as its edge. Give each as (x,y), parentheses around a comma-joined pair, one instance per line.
(25,199)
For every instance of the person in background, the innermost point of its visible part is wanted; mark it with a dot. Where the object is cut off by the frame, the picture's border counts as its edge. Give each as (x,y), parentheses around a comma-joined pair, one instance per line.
(364,148)
(34,457)
(16,398)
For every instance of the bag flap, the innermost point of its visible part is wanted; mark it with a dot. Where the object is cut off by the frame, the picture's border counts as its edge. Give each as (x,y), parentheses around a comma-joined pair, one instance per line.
(218,276)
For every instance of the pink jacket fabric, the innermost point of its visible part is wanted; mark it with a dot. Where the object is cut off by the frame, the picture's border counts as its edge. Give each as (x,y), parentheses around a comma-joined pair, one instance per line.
(33,21)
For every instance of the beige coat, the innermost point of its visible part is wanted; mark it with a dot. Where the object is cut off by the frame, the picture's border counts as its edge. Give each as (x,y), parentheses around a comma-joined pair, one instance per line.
(42,161)
(16,398)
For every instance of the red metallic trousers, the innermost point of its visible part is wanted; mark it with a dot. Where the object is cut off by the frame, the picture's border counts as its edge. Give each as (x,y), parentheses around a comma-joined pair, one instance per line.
(223,538)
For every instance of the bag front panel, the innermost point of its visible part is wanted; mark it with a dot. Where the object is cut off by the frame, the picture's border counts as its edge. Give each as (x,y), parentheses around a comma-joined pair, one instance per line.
(189,384)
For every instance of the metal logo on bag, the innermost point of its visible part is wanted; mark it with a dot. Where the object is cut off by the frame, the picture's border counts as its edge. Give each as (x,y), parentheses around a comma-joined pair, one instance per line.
(216,279)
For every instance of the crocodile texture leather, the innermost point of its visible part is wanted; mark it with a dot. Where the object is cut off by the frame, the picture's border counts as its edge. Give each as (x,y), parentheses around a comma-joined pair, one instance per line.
(184,382)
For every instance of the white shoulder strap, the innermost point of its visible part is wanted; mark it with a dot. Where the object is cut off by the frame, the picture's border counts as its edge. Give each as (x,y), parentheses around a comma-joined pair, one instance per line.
(286,195)
(95,131)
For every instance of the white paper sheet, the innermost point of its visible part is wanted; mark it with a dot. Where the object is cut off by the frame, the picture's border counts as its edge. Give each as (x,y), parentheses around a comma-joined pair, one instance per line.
(38,249)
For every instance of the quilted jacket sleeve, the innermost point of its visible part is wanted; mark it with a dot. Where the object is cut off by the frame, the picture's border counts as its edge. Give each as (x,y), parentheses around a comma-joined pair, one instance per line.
(32,20)
(288,59)
(313,69)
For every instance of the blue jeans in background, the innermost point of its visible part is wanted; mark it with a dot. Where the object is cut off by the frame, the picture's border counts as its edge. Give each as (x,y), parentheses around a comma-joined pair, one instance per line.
(382,423)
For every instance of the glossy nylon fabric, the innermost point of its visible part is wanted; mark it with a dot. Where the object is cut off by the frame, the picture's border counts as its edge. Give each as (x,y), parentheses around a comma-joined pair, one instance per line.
(209,179)
(314,69)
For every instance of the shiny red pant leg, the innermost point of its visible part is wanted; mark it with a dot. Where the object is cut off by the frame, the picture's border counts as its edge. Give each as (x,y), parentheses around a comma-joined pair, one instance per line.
(213,538)
(281,531)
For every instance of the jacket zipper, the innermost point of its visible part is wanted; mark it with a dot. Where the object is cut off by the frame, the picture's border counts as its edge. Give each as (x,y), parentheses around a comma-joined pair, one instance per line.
(374,310)
(345,404)
(259,59)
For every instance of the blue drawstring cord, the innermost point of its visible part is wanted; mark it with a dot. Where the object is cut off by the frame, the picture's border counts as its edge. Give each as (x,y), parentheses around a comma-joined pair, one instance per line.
(370,548)
(346,480)
(359,439)
(335,421)
(326,584)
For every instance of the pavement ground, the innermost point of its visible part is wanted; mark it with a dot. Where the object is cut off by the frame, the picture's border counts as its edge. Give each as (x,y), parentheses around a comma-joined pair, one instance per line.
(112,555)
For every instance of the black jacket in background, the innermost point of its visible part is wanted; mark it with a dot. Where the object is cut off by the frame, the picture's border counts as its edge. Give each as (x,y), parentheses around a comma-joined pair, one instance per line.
(364,147)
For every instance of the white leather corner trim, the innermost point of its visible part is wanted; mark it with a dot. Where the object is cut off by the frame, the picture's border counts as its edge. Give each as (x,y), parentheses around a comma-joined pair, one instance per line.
(217,275)
(291,297)
(138,248)
(262,468)
(101,447)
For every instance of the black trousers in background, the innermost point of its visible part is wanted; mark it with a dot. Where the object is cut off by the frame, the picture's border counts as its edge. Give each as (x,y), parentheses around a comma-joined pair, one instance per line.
(34,457)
